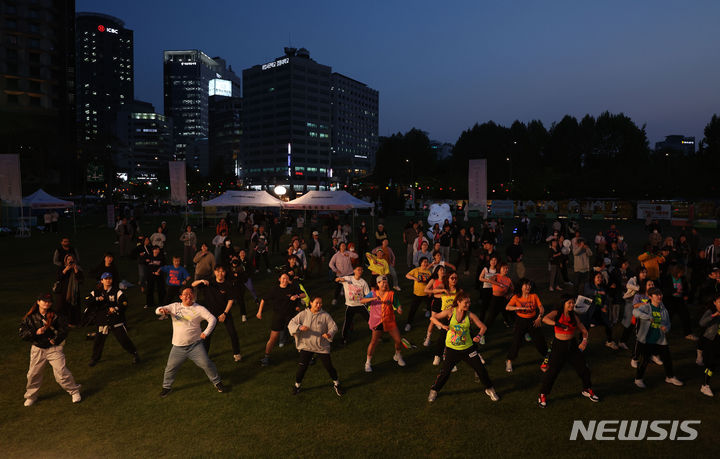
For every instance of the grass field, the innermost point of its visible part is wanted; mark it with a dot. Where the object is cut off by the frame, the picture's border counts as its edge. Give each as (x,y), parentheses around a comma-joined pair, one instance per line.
(384,413)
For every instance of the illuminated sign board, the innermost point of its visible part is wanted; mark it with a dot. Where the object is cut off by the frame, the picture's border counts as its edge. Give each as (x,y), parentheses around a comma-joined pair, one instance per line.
(219,87)
(102,28)
(277,63)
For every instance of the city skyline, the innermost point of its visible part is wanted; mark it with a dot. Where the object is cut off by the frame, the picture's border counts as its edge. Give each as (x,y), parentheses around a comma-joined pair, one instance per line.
(443,70)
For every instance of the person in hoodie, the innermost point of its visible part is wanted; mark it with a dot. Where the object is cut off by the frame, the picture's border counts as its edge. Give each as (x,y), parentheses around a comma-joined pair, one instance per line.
(314,330)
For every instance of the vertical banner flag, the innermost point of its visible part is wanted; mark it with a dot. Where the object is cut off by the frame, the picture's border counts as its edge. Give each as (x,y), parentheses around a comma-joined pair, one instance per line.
(477,185)
(178,184)
(10,191)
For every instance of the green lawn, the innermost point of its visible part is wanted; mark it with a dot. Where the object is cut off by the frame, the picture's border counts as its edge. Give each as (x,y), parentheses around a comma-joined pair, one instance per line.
(384,413)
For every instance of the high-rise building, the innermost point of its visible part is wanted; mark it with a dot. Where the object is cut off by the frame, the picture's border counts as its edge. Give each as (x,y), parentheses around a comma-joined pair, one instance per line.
(354,127)
(146,145)
(105,75)
(225,141)
(286,119)
(190,78)
(37,106)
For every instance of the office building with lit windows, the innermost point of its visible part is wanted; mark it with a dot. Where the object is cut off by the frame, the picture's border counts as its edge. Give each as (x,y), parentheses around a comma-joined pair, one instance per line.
(286,122)
(104,77)
(145,143)
(354,127)
(37,90)
(190,78)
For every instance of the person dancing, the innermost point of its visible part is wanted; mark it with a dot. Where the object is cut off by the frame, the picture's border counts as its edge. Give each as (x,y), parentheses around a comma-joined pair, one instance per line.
(383,304)
(529,312)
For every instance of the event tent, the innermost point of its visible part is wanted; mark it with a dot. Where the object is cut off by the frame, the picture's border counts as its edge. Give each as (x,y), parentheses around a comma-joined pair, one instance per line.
(328,200)
(244,199)
(42,200)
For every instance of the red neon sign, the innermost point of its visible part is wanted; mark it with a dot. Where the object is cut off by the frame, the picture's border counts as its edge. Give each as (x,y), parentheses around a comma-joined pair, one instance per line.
(101,28)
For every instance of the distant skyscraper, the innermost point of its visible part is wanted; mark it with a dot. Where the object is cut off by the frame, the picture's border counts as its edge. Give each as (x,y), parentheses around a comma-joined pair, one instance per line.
(225,141)
(37,106)
(354,127)
(146,143)
(105,75)
(190,78)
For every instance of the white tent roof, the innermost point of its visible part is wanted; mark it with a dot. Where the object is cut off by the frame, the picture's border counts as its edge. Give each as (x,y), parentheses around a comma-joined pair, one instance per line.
(244,199)
(328,200)
(41,200)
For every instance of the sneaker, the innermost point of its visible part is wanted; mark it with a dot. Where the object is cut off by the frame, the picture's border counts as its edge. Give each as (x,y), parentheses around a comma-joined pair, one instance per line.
(295,389)
(674,381)
(527,337)
(397,288)
(145,307)
(338,390)
(633,363)
(29,402)
(591,395)
(657,360)
(611,345)
(407,327)
(437,360)
(640,383)
(92,363)
(368,368)
(136,358)
(551,289)
(334,302)
(477,378)
(691,337)
(508,366)
(243,318)
(544,367)
(237,357)
(432,395)
(623,346)
(704,389)
(482,340)
(558,289)
(569,283)
(220,387)
(427,314)
(454,369)
(265,361)
(76,397)
(506,323)
(542,401)
(165,392)
(426,343)
(398,358)
(492,394)
(281,344)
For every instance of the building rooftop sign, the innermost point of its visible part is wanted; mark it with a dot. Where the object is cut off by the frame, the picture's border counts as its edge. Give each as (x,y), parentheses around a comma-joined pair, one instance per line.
(277,63)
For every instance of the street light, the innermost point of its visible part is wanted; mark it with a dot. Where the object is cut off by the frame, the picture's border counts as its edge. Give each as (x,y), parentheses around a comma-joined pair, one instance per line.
(280,190)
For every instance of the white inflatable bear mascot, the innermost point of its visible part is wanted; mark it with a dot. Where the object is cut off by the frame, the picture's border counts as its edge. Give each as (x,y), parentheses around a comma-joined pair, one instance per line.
(438,214)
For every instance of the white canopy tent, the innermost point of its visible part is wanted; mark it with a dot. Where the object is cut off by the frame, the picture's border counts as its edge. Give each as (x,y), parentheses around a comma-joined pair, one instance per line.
(235,198)
(328,200)
(42,200)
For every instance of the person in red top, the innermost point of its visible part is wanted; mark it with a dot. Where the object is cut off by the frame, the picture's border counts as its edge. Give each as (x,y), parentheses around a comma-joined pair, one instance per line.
(565,348)
(502,290)
(383,304)
(529,312)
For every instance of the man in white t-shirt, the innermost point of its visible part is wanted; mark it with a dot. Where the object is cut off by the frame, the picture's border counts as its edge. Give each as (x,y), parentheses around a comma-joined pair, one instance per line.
(355,289)
(188,339)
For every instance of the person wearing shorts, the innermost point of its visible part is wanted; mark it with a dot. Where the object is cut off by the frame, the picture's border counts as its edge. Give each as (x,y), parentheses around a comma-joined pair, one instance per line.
(382,306)
(284,303)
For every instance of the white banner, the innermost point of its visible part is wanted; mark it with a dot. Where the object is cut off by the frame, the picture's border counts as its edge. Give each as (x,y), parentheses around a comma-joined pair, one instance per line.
(653,210)
(178,183)
(10,186)
(502,208)
(477,185)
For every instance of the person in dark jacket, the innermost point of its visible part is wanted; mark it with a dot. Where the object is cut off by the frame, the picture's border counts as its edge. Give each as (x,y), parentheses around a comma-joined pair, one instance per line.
(46,330)
(676,294)
(105,307)
(67,290)
(107,265)
(710,322)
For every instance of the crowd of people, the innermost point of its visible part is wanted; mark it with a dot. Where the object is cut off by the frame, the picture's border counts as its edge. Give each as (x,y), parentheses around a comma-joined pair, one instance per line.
(633,300)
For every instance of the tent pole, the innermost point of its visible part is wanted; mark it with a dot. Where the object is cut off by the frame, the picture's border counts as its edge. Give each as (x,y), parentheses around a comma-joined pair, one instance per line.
(74,224)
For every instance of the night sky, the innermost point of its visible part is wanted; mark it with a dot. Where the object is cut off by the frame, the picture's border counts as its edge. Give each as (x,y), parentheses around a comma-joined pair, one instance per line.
(443,66)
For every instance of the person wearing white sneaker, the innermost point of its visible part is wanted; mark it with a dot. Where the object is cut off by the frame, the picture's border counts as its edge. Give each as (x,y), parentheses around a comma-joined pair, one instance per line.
(565,348)
(443,287)
(529,311)
(47,332)
(710,321)
(383,304)
(654,324)
(355,289)
(460,346)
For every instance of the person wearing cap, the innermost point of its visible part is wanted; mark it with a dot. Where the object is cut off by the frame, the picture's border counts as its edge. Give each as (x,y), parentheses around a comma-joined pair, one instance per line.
(105,307)
(382,306)
(47,331)
(187,339)
(316,253)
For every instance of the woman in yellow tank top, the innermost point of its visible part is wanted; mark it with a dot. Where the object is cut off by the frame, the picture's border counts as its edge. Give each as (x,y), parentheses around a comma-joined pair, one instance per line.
(455,321)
